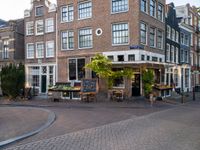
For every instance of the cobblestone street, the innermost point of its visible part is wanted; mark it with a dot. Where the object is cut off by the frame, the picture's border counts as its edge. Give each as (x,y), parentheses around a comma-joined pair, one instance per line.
(172,129)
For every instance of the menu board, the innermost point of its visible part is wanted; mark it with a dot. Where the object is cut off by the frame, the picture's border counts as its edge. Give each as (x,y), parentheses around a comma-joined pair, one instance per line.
(89,85)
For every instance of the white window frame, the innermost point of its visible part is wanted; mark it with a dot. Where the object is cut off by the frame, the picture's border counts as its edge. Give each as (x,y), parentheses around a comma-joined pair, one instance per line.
(146,6)
(27,50)
(28,27)
(36,28)
(37,49)
(49,56)
(155,35)
(168,53)
(36,10)
(162,33)
(67,9)
(128,33)
(67,32)
(47,27)
(173,34)
(172,53)
(79,38)
(177,36)
(79,3)
(168,32)
(177,54)
(146,33)
(162,15)
(155,12)
(113,12)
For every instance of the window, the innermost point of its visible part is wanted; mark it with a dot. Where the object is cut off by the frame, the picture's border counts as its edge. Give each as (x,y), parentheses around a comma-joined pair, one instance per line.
(152,8)
(187,77)
(111,57)
(39,27)
(143,33)
(39,11)
(160,39)
(51,75)
(186,41)
(186,56)
(182,38)
(29,28)
(173,35)
(177,54)
(168,53)
(142,57)
(143,5)
(119,81)
(85,38)
(50,49)
(39,50)
(131,57)
(76,69)
(152,37)
(67,13)
(34,77)
(85,10)
(119,6)
(30,50)
(67,40)
(120,57)
(120,33)
(176,77)
(172,54)
(5,49)
(168,32)
(160,12)
(49,25)
(155,59)
(182,55)
(177,36)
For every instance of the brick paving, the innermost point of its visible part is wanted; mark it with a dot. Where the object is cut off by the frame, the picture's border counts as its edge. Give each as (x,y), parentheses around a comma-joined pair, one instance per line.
(172,129)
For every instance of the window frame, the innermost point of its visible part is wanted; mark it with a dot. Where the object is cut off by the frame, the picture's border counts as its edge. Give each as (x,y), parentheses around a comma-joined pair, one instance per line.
(67,39)
(67,12)
(37,49)
(27,29)
(154,8)
(116,12)
(36,27)
(82,2)
(146,31)
(27,50)
(154,37)
(162,12)
(87,47)
(120,23)
(39,6)
(144,7)
(162,38)
(51,26)
(50,56)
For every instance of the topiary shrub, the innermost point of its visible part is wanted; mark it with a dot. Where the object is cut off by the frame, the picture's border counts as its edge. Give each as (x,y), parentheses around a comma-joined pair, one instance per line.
(12,80)
(148,81)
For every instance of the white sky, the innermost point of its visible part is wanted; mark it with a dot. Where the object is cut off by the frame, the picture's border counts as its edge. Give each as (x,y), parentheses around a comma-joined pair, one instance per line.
(13,9)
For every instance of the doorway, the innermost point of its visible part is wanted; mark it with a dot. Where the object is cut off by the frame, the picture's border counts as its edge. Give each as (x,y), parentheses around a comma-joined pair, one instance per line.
(44,84)
(136,85)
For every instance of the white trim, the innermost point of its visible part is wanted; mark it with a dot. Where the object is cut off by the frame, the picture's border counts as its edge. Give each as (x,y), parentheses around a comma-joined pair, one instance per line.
(37,50)
(46,25)
(27,23)
(67,6)
(112,13)
(82,2)
(118,23)
(47,48)
(36,31)
(79,39)
(38,7)
(27,50)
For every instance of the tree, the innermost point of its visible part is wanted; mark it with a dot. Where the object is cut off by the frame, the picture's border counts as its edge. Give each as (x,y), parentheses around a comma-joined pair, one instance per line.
(102,66)
(12,80)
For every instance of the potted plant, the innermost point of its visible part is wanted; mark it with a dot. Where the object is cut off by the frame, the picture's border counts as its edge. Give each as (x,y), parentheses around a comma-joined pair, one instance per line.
(148,82)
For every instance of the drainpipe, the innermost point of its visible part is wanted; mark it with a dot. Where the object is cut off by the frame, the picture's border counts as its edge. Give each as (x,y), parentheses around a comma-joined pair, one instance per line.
(56,77)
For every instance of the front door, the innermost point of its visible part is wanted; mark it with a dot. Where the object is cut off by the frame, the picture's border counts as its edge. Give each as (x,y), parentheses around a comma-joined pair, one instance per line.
(136,85)
(44,84)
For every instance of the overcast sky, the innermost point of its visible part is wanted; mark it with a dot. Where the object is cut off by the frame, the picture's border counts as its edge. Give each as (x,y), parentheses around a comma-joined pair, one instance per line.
(13,9)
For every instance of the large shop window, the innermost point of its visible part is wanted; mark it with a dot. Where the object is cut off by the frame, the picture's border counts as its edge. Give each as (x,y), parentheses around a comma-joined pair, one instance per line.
(76,69)
(118,82)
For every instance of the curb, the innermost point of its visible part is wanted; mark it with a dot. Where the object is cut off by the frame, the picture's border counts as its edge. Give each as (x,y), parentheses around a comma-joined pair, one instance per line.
(51,119)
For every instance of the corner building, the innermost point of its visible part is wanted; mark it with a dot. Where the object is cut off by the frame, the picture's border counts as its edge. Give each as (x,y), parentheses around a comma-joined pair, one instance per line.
(40,45)
(129,32)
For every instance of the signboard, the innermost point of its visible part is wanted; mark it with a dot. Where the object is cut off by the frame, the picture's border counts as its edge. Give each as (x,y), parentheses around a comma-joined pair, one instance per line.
(89,85)
(137,47)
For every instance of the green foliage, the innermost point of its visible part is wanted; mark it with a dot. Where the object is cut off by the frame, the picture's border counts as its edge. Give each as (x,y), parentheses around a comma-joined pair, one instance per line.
(102,66)
(12,80)
(148,81)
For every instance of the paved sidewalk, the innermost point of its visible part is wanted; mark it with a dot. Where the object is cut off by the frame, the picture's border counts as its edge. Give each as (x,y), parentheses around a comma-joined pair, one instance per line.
(172,129)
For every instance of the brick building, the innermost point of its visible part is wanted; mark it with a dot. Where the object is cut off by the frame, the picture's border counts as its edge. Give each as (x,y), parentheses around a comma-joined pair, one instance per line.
(40,44)
(130,33)
(11,42)
(191,18)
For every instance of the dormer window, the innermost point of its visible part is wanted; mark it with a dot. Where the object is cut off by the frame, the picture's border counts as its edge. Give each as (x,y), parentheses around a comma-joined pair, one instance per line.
(39,11)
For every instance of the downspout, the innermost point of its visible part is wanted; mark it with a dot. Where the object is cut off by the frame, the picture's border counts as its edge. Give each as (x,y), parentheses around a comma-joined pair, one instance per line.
(56,49)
